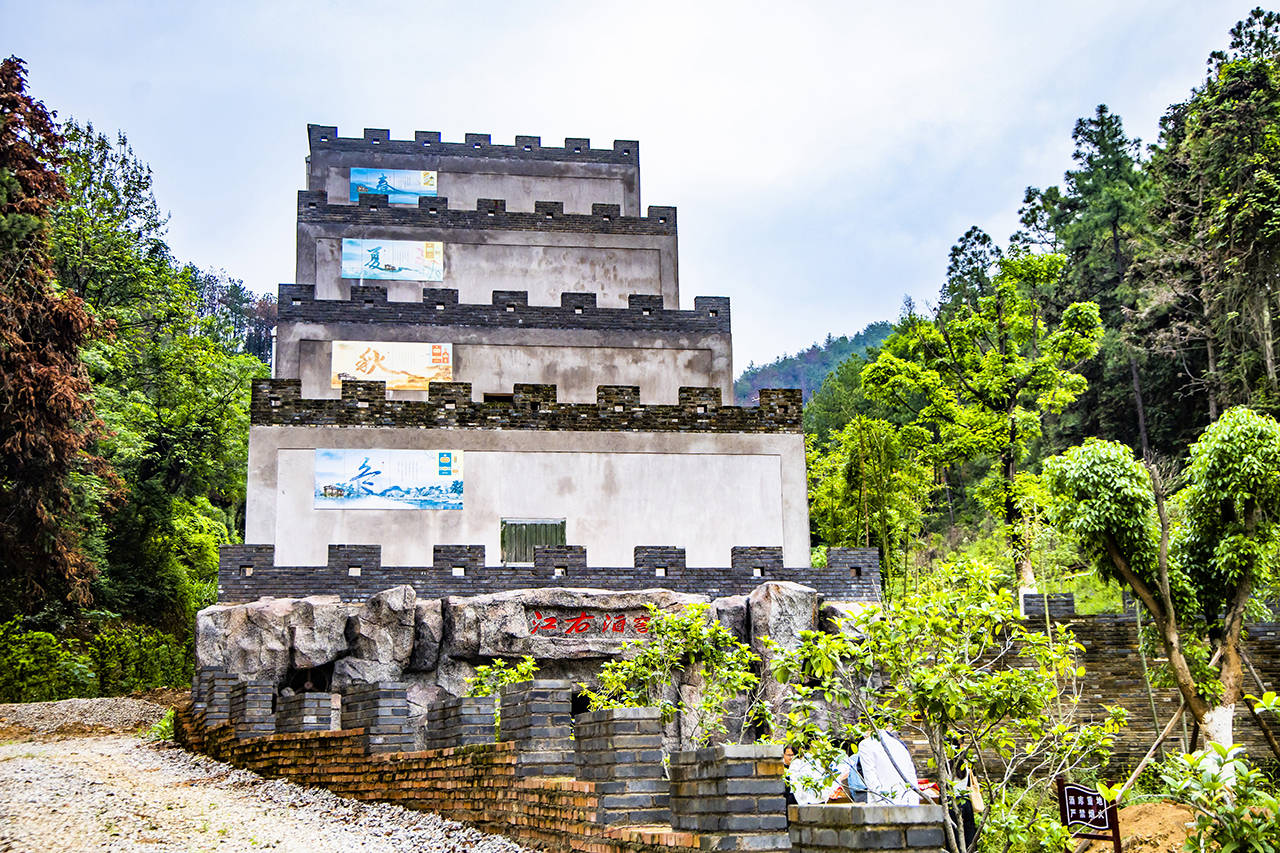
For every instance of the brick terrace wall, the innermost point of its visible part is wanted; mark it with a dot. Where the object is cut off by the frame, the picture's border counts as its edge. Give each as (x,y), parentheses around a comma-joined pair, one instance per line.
(892,829)
(279,402)
(381,711)
(368,305)
(1113,676)
(248,572)
(475,784)
(460,721)
(620,751)
(253,708)
(304,712)
(733,795)
(537,718)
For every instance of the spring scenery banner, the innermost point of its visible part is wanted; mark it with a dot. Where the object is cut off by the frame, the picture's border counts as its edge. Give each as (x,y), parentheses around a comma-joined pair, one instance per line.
(392,260)
(404,366)
(401,186)
(388,479)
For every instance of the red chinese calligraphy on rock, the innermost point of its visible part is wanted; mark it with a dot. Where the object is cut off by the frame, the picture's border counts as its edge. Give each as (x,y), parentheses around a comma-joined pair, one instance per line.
(613,622)
(541,623)
(642,624)
(579,623)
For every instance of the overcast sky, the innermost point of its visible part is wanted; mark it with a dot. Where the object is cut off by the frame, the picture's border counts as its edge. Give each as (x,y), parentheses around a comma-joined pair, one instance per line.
(823,157)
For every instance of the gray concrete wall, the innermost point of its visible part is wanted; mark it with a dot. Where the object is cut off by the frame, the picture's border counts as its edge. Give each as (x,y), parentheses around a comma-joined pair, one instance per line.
(576,371)
(461,184)
(478,262)
(704,492)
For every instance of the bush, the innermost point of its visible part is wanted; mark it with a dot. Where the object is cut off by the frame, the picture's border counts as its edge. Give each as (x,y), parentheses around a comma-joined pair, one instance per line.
(36,666)
(1233,810)
(489,681)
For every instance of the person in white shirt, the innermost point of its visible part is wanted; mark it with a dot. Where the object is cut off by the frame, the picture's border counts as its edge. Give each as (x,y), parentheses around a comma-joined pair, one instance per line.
(805,780)
(888,771)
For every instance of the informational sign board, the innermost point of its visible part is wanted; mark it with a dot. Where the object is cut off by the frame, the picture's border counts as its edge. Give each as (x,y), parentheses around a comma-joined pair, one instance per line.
(403,365)
(347,478)
(401,186)
(553,622)
(1088,810)
(392,260)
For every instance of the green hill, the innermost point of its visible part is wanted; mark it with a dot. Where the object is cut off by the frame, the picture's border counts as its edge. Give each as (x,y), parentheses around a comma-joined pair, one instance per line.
(806,370)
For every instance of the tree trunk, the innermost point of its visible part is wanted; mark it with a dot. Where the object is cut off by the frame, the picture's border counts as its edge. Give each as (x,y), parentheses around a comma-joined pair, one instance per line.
(1137,401)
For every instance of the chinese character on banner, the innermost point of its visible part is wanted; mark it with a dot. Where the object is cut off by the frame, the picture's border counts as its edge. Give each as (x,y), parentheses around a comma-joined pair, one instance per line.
(369,361)
(578,624)
(541,623)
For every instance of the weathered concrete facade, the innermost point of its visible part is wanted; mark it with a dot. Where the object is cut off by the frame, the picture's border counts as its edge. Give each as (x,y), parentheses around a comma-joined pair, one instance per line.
(579,392)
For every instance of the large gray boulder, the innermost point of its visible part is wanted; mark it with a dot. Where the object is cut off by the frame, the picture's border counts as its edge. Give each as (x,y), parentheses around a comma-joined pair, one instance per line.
(349,671)
(318,624)
(731,612)
(211,635)
(428,634)
(382,629)
(257,639)
(551,623)
(779,611)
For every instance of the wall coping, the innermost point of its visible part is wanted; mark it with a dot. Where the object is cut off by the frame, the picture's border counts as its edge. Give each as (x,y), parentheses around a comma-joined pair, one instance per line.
(368,305)
(855,814)
(323,138)
(279,402)
(490,214)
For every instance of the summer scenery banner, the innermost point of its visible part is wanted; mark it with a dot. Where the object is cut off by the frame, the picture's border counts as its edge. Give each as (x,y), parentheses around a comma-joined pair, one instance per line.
(402,186)
(402,365)
(392,260)
(388,479)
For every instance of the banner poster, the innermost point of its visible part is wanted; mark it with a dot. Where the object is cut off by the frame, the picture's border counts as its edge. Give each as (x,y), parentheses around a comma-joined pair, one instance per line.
(403,365)
(392,260)
(401,186)
(388,479)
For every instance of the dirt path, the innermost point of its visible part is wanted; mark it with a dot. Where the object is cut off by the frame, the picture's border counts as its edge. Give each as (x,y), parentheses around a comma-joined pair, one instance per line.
(121,793)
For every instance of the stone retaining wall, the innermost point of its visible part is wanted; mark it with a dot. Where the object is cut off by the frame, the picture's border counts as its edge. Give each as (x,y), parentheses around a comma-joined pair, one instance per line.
(608,795)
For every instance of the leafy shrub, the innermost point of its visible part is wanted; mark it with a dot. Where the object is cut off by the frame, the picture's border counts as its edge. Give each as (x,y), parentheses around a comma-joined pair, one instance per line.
(686,641)
(162,729)
(1233,810)
(490,679)
(36,666)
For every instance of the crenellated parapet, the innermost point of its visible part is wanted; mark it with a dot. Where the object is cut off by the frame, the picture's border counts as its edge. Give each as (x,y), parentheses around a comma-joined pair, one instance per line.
(355,572)
(374,211)
(368,305)
(279,402)
(325,138)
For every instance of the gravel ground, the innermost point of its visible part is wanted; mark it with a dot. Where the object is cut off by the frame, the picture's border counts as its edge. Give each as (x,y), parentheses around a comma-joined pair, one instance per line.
(120,793)
(119,714)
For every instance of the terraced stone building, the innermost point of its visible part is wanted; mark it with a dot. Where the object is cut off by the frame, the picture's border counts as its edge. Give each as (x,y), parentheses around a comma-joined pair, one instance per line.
(484,378)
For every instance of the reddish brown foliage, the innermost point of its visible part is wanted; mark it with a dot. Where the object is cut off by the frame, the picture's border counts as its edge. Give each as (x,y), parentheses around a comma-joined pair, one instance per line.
(46,417)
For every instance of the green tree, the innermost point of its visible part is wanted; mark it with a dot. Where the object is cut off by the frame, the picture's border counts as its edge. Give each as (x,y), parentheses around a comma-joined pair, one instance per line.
(172,385)
(869,486)
(961,671)
(1208,275)
(1195,562)
(47,421)
(981,378)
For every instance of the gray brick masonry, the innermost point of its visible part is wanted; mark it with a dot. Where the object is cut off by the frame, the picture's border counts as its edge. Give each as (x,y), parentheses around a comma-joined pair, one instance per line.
(620,751)
(733,795)
(248,572)
(536,715)
(382,710)
(891,829)
(459,721)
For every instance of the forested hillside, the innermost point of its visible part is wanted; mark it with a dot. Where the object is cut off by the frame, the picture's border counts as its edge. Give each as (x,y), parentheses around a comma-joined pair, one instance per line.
(806,369)
(123,412)
(1137,303)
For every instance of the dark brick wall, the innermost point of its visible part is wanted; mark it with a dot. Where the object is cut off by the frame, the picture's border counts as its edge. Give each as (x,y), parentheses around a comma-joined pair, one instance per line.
(491,214)
(368,305)
(536,716)
(889,829)
(620,751)
(731,791)
(304,712)
(355,572)
(323,138)
(279,402)
(459,721)
(382,710)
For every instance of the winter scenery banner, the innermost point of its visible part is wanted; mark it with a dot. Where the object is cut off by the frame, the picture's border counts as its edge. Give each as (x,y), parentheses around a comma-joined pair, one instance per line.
(388,479)
(392,260)
(404,366)
(401,186)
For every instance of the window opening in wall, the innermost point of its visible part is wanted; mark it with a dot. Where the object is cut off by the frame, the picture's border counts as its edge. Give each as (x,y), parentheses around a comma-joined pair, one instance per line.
(459,571)
(660,571)
(499,398)
(519,536)
(247,571)
(757,572)
(353,571)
